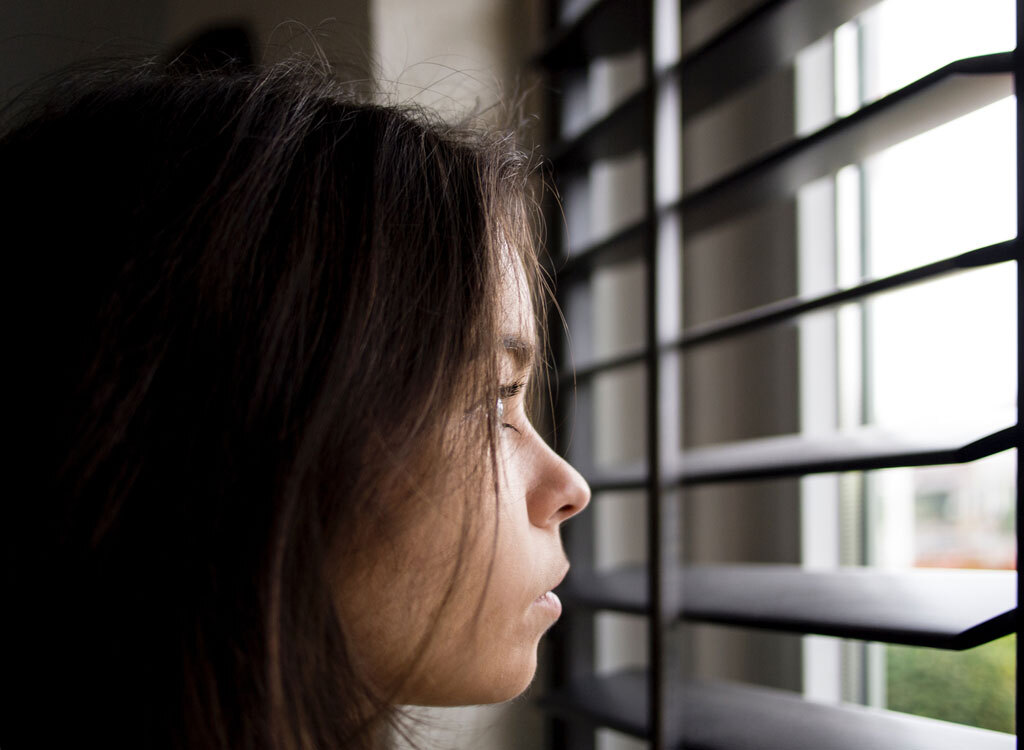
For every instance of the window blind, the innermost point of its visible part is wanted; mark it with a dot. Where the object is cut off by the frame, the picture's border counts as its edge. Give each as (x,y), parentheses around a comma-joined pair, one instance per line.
(610,155)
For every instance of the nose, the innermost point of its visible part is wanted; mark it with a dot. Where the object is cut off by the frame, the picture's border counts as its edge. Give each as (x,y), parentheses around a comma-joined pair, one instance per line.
(558,492)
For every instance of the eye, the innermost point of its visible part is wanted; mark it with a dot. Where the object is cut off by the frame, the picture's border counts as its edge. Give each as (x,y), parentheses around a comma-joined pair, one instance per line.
(507,392)
(510,390)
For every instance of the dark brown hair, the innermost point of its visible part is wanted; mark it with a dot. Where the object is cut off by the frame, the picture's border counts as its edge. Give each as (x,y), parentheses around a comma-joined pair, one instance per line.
(239,301)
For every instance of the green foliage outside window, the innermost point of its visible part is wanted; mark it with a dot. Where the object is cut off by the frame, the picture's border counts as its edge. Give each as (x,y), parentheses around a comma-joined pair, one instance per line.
(973,687)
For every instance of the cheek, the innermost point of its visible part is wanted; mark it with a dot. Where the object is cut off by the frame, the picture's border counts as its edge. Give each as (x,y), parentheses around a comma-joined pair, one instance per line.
(485,647)
(482,635)
(385,613)
(391,593)
(509,629)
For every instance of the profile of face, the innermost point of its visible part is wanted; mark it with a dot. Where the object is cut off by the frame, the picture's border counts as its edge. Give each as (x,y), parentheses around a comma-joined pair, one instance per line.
(275,414)
(472,638)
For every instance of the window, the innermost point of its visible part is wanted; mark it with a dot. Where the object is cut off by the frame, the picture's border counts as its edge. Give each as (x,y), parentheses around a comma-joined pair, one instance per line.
(947,190)
(789,271)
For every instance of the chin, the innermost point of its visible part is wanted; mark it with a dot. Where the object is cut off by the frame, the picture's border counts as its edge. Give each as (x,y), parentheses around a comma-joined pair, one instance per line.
(513,676)
(486,684)
(512,684)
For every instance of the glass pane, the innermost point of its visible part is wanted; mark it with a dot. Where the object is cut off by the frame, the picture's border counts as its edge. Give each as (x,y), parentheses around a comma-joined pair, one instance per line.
(971,687)
(937,354)
(943,354)
(946,191)
(906,39)
(620,417)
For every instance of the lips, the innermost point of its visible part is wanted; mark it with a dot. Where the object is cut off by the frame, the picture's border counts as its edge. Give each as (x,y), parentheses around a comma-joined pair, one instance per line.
(549,599)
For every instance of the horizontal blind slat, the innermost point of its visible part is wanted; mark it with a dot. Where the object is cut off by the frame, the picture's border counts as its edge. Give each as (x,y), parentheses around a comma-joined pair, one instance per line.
(950,92)
(796,455)
(948,609)
(616,133)
(607,27)
(764,41)
(724,716)
(626,243)
(856,450)
(776,312)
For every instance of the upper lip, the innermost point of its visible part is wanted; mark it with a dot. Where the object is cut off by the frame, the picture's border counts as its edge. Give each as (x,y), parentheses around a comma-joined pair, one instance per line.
(558,580)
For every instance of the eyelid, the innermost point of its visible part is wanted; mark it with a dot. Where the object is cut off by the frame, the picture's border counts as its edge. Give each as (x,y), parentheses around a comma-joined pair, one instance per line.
(510,390)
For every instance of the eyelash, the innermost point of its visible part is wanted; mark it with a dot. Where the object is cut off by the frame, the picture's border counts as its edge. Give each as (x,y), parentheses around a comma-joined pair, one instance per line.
(507,392)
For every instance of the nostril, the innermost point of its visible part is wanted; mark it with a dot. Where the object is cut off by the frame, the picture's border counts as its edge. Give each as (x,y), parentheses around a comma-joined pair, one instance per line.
(558,491)
(577,491)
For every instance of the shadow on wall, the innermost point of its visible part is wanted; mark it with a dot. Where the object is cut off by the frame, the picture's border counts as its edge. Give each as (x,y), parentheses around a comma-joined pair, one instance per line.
(218,47)
(40,38)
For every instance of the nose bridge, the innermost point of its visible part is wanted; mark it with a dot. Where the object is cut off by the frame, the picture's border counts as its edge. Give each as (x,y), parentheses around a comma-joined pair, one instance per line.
(558,492)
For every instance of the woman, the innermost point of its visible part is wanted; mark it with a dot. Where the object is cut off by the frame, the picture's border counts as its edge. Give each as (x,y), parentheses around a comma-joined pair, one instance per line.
(271,351)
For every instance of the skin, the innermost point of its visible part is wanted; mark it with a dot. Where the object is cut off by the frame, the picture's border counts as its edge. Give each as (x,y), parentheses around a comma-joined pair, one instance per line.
(476,642)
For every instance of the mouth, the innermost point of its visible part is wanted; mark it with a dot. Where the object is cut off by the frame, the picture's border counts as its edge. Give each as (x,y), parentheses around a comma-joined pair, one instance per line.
(549,599)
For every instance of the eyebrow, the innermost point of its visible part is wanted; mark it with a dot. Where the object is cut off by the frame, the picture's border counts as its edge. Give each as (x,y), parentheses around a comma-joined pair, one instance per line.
(521,351)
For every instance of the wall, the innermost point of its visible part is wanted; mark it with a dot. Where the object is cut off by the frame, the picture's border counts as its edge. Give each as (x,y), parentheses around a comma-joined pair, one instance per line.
(460,57)
(42,36)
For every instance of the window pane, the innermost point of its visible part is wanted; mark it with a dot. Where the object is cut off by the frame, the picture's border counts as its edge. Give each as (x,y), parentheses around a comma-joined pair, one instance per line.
(943,354)
(946,191)
(907,39)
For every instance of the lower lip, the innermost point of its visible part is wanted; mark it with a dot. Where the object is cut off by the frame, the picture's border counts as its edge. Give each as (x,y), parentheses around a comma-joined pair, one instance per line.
(549,602)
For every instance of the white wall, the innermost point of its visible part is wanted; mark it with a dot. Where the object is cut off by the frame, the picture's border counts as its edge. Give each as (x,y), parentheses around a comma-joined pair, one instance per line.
(457,56)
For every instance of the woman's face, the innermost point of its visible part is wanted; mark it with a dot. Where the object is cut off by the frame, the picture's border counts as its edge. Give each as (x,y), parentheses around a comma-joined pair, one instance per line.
(482,648)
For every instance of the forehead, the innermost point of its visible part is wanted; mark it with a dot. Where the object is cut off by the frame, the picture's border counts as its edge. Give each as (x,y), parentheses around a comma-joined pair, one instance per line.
(518,336)
(520,350)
